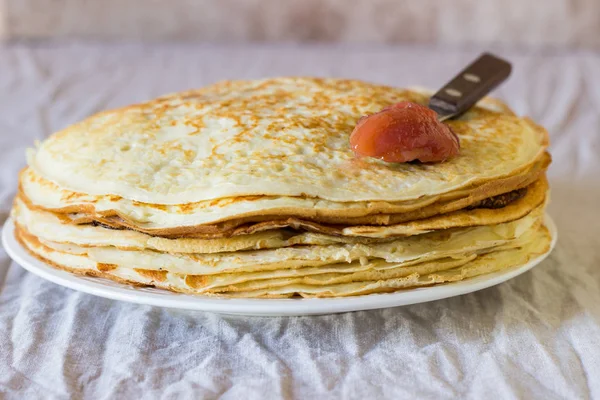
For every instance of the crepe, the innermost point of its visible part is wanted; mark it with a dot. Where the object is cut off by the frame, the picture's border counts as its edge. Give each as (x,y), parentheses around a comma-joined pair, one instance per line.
(49,226)
(328,281)
(485,264)
(275,137)
(250,189)
(439,244)
(169,220)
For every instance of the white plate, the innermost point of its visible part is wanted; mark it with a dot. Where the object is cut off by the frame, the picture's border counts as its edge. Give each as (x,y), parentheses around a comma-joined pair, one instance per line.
(264,307)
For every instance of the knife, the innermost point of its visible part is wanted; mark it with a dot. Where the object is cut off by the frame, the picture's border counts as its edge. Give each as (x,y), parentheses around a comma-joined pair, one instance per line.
(469,86)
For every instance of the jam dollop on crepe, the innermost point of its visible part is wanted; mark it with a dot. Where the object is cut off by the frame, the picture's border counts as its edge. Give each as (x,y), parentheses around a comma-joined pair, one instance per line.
(404,132)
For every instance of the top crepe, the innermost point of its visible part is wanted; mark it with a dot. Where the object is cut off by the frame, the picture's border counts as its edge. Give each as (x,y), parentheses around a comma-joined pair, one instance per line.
(277,137)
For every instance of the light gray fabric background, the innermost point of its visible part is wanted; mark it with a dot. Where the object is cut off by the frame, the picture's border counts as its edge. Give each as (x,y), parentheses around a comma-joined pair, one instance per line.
(523,23)
(537,336)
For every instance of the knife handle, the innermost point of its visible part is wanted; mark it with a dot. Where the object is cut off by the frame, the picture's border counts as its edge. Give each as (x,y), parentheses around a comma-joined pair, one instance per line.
(470,85)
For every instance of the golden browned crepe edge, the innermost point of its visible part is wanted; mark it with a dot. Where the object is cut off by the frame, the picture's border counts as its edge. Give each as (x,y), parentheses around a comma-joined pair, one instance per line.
(102,272)
(534,197)
(245,225)
(522,261)
(23,237)
(156,278)
(502,184)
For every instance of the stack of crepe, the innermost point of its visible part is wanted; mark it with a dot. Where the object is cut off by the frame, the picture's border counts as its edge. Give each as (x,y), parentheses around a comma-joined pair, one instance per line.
(250,189)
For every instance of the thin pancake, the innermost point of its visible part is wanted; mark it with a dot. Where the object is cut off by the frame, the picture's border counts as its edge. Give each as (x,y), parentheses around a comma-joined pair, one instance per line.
(145,218)
(50,227)
(535,195)
(420,274)
(275,137)
(484,264)
(443,243)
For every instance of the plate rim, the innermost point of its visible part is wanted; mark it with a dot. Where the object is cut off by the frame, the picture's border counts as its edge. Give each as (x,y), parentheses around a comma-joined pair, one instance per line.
(259,307)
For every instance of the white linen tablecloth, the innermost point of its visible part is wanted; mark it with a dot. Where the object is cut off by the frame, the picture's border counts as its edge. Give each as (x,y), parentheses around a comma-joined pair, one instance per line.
(537,336)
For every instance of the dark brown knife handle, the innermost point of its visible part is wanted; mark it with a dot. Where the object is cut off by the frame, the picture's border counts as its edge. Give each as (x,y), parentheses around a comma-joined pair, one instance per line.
(470,85)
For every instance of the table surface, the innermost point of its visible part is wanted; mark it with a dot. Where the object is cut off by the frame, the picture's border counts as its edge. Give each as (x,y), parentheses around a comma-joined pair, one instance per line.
(535,336)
